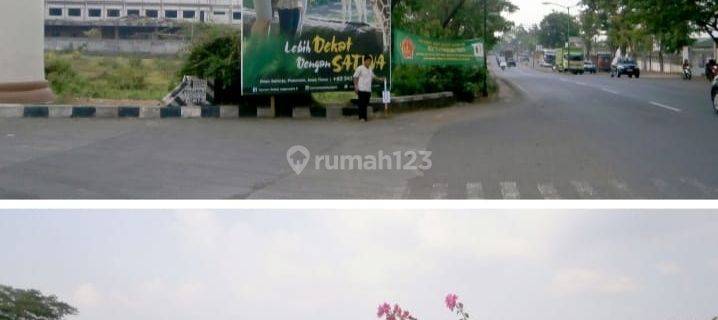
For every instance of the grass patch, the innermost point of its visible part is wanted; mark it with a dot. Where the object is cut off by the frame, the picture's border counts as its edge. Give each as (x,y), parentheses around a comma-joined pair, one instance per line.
(333,98)
(75,76)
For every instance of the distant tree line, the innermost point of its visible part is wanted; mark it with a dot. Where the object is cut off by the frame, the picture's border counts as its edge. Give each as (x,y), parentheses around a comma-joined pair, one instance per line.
(19,304)
(630,25)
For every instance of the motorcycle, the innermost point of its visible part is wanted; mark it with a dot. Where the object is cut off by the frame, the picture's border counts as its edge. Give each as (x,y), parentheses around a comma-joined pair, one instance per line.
(687,73)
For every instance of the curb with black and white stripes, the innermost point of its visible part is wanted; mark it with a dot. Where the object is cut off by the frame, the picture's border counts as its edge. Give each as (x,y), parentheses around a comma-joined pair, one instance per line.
(157,112)
(175,107)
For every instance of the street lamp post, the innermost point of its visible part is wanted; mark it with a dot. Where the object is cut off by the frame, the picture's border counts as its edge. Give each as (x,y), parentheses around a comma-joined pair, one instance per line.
(485,87)
(568,25)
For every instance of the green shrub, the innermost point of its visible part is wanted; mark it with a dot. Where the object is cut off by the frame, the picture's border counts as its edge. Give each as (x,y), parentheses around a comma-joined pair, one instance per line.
(464,82)
(216,55)
(64,81)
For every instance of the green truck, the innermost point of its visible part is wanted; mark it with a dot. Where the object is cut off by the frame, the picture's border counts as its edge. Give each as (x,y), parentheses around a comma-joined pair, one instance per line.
(559,64)
(570,58)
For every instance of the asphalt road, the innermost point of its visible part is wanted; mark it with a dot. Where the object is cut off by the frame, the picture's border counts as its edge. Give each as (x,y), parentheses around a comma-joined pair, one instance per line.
(547,136)
(579,137)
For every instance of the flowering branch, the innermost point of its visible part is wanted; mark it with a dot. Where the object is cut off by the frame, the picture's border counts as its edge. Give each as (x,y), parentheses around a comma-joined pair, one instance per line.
(452,302)
(396,313)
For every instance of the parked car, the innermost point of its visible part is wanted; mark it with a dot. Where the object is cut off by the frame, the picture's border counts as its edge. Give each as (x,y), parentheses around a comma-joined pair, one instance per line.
(589,67)
(625,66)
(714,94)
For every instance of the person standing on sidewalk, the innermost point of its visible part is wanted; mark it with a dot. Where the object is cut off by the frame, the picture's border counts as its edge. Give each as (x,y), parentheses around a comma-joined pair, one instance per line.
(363,78)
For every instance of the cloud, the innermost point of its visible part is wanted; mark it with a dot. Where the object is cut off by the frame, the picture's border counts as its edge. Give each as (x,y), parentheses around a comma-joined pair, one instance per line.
(86,296)
(586,280)
(668,268)
(323,258)
(263,265)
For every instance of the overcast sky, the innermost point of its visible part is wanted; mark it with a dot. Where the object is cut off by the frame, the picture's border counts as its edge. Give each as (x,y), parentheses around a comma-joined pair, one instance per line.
(508,266)
(532,11)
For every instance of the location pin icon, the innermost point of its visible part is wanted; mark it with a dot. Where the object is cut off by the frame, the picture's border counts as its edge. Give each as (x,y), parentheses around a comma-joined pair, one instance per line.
(298,158)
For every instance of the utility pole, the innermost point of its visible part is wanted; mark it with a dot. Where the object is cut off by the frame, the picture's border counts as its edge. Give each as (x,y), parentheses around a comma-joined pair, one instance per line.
(485,88)
(568,28)
(568,31)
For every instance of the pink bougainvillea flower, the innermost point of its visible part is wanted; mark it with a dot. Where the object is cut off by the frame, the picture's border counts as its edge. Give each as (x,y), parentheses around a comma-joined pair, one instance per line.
(451,301)
(405,315)
(384,309)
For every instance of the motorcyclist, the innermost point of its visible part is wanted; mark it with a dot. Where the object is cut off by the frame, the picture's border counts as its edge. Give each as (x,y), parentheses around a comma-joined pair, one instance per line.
(710,69)
(687,69)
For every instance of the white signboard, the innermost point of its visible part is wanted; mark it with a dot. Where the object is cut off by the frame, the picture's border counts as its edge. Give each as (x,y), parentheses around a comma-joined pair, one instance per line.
(478,50)
(386,94)
(195,93)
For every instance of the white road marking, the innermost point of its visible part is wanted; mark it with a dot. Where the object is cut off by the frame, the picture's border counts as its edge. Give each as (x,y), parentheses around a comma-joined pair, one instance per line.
(660,105)
(440,191)
(581,83)
(584,189)
(509,190)
(521,88)
(474,190)
(548,191)
(610,91)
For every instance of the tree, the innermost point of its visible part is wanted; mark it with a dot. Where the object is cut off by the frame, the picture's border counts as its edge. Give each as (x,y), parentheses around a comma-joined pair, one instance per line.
(620,23)
(19,304)
(522,39)
(666,21)
(590,24)
(451,19)
(552,32)
(703,14)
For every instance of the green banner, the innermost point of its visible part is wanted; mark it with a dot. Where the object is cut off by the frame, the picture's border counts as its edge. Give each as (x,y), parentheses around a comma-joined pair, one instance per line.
(311,47)
(413,49)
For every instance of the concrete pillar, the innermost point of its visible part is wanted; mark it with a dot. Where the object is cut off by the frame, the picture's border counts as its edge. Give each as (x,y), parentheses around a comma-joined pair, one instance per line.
(22,66)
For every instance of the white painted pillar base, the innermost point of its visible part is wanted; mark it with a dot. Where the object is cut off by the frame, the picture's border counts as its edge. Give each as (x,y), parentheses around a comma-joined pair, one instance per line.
(22,66)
